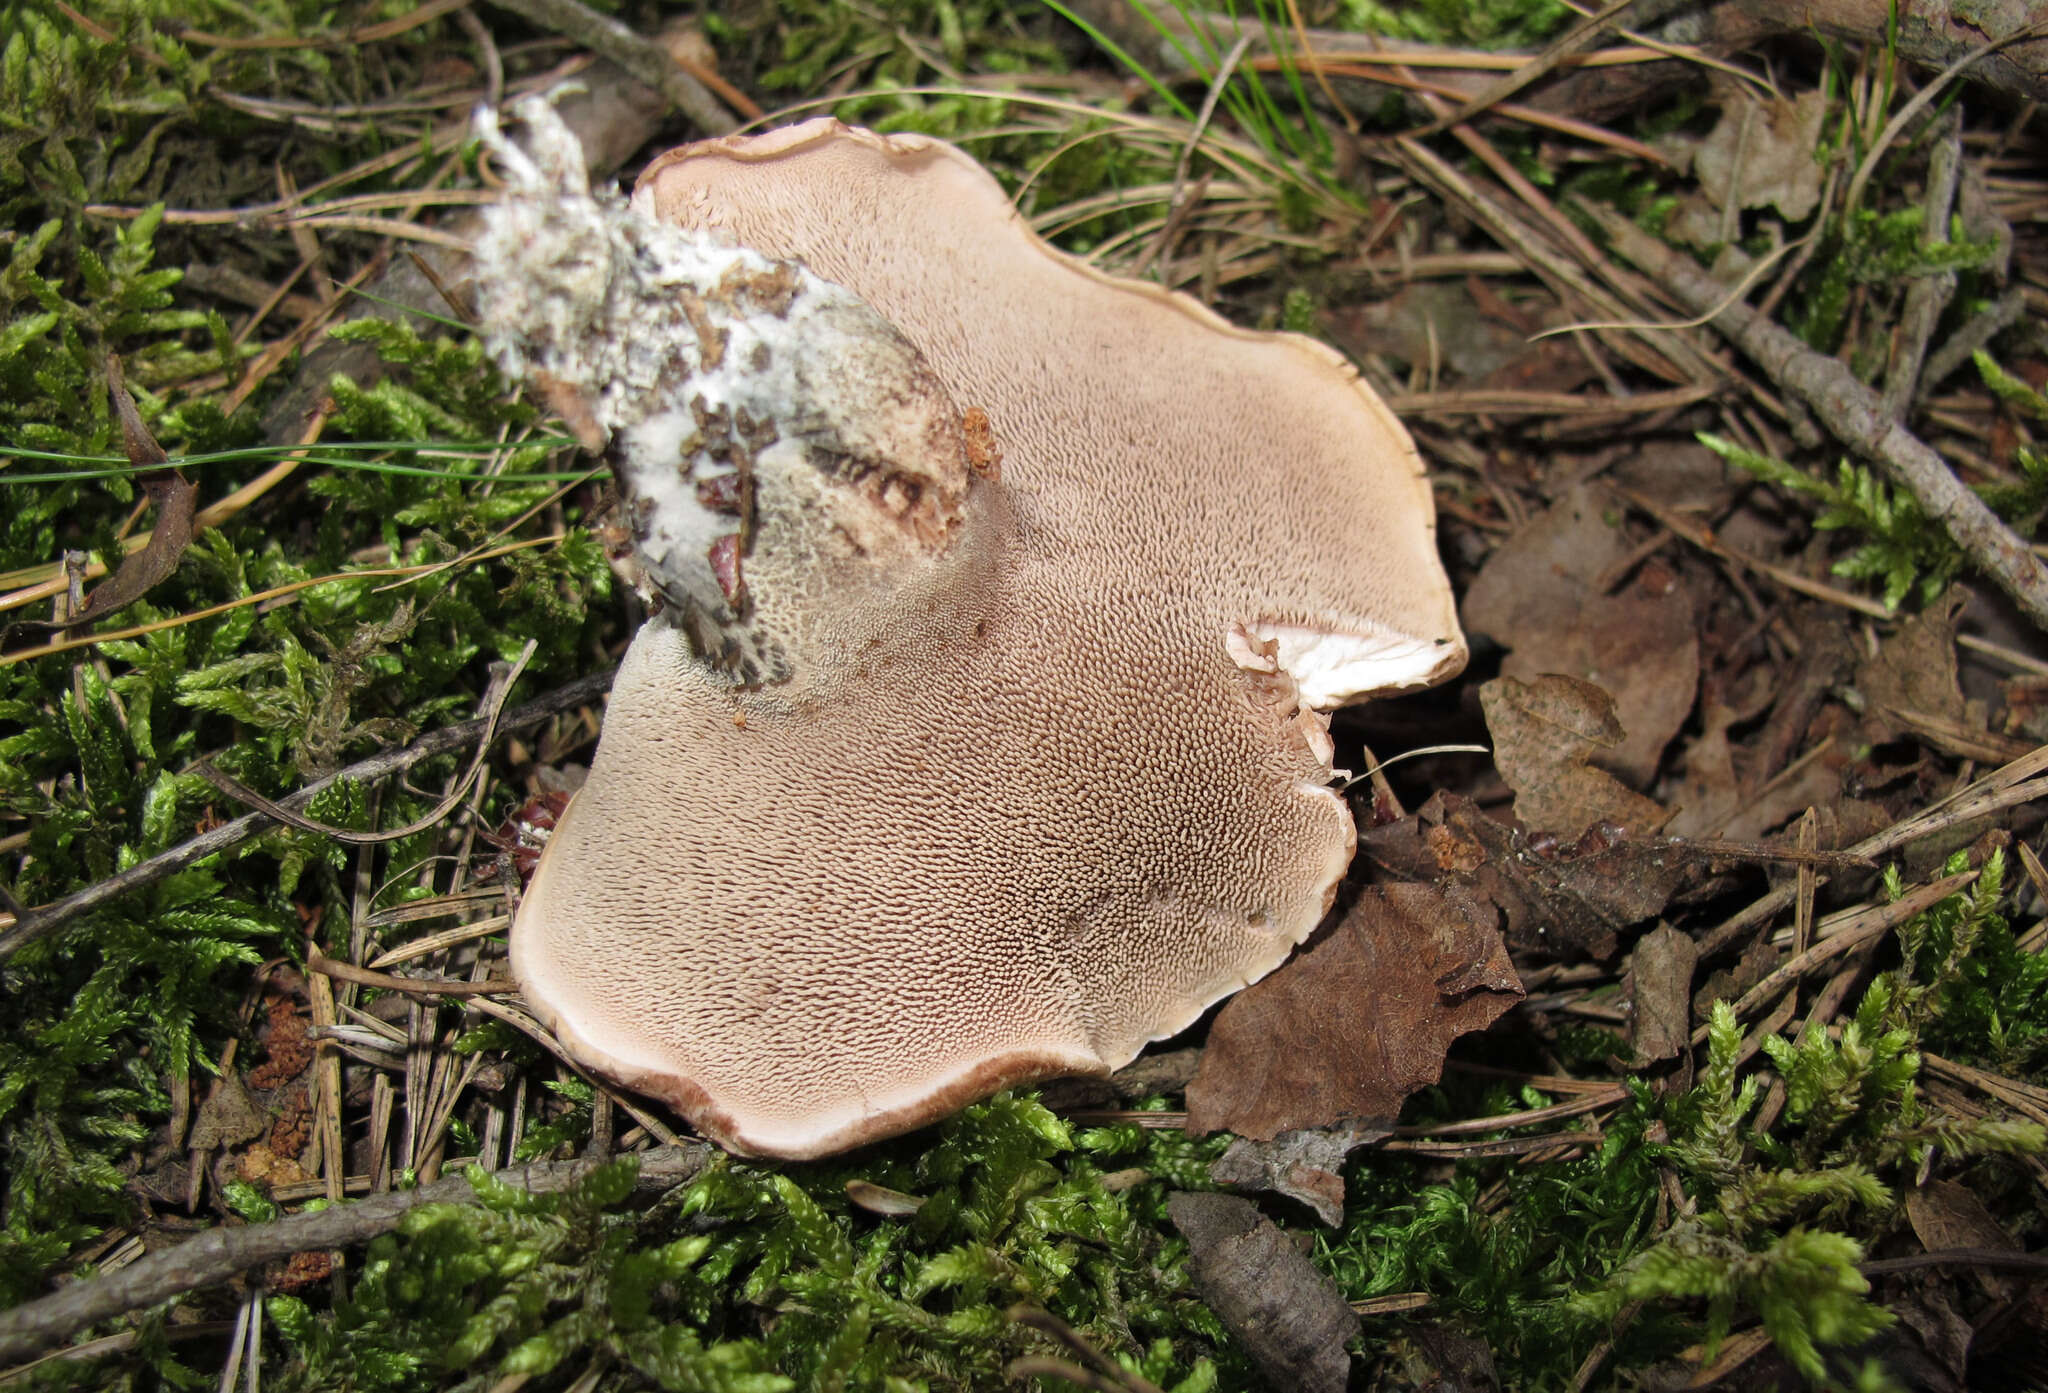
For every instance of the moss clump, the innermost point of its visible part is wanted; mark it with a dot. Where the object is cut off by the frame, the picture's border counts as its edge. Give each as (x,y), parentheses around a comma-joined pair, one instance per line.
(758,1281)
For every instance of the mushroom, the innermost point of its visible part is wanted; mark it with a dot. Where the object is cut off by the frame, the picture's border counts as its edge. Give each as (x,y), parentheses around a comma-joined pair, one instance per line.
(979,736)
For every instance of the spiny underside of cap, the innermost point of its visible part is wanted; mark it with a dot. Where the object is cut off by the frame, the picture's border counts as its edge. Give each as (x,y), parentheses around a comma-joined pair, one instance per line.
(1062,782)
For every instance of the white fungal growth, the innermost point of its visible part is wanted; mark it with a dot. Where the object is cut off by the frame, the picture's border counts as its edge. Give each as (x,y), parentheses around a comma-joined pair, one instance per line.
(768,428)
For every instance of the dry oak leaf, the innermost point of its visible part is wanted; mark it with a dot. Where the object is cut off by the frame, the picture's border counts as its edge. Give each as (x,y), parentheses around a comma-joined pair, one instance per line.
(228,1117)
(1546,735)
(1948,1214)
(1351,1027)
(1761,152)
(1913,680)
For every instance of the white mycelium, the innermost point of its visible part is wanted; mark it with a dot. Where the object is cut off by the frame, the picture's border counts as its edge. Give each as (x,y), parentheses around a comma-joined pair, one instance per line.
(770,431)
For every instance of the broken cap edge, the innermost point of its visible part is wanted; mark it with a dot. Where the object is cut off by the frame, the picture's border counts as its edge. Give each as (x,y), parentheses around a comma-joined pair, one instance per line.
(1335,667)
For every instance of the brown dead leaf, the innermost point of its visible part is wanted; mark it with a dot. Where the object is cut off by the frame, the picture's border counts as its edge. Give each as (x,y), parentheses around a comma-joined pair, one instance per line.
(1540,594)
(1946,1214)
(1351,1027)
(1660,993)
(1929,1348)
(1914,672)
(176,503)
(1761,152)
(1290,1316)
(1436,325)
(1706,792)
(1546,735)
(1442,1360)
(1709,799)
(1570,901)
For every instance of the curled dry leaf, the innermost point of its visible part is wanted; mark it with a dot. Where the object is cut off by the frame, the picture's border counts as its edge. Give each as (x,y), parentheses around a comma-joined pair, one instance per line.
(1761,152)
(1546,735)
(176,503)
(1350,1028)
(1305,1166)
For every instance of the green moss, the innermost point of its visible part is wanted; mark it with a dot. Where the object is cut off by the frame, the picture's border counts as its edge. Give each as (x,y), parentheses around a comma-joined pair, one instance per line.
(753,1279)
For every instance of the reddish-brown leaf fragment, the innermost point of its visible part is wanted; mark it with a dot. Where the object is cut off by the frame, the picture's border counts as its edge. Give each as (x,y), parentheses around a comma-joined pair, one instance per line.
(176,503)
(1289,1315)
(1947,1214)
(1350,1028)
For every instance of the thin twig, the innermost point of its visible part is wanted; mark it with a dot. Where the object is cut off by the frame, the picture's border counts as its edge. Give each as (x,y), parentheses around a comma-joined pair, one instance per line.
(220,1253)
(1178,203)
(1580,36)
(1850,936)
(350,38)
(1960,346)
(487,49)
(1919,102)
(1504,401)
(2004,788)
(1705,539)
(1505,1146)
(1995,1259)
(317,961)
(38,923)
(1046,1323)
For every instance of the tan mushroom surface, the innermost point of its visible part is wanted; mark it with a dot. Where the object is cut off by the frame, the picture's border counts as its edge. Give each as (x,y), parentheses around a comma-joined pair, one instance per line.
(1034,771)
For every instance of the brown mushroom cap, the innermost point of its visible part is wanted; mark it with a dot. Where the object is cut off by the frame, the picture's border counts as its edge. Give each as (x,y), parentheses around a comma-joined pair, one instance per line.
(1057,811)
